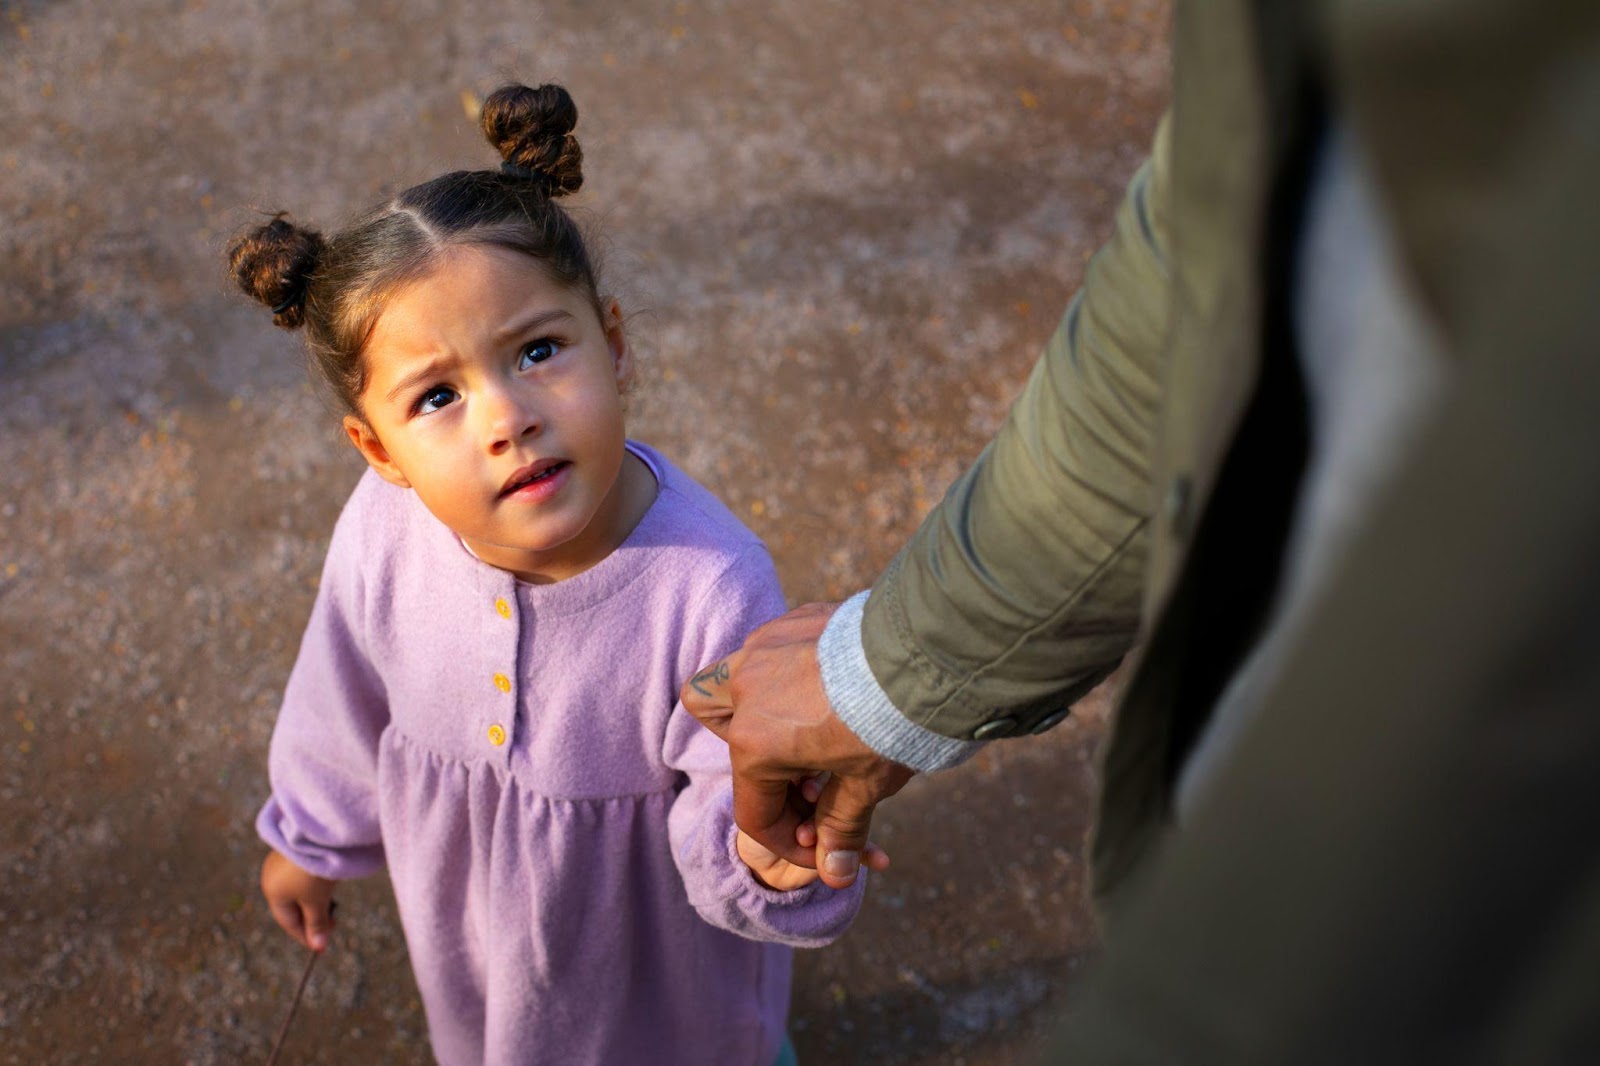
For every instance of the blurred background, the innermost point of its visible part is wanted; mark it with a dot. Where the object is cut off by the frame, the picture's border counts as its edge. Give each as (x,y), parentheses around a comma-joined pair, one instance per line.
(843,231)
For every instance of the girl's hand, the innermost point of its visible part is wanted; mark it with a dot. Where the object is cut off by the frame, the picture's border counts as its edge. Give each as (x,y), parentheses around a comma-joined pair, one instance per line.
(768,868)
(301,902)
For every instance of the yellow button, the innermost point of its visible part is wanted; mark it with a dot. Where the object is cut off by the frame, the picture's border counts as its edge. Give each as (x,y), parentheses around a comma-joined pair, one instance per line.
(502,682)
(503,607)
(497,734)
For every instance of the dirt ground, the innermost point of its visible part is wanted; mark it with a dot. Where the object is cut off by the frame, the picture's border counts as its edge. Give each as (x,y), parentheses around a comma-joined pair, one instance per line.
(844,230)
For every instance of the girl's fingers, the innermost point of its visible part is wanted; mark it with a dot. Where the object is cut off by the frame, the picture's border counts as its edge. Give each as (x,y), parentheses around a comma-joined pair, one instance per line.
(753,851)
(769,804)
(286,912)
(318,925)
(307,922)
(805,834)
(301,902)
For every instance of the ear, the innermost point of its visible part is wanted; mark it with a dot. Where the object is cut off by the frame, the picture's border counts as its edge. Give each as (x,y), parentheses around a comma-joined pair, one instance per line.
(372,450)
(617,341)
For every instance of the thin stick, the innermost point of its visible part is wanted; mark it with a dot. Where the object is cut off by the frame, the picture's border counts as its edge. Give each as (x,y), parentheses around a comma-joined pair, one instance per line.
(293,1006)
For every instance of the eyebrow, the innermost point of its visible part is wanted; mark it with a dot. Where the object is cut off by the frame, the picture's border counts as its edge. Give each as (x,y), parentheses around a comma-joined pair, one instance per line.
(523,325)
(432,368)
(435,367)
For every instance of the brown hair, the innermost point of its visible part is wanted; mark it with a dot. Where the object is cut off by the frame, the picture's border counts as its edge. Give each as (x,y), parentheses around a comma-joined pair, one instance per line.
(336,287)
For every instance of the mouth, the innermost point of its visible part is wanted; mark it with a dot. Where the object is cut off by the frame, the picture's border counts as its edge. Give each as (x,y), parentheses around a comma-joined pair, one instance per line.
(543,470)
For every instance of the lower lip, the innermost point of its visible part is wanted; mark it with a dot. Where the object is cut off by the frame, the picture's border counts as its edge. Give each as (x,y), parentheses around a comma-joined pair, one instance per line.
(543,489)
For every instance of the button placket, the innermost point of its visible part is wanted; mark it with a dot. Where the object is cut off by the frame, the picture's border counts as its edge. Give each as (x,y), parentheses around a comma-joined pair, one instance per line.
(498,732)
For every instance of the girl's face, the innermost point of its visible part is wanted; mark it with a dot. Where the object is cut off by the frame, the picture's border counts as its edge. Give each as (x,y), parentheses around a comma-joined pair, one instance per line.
(496,393)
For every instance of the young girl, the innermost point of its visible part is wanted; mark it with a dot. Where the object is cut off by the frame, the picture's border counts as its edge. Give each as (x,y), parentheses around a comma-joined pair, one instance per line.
(486,696)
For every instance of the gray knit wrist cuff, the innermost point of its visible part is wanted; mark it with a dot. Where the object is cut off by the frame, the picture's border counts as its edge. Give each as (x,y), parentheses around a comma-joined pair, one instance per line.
(861,703)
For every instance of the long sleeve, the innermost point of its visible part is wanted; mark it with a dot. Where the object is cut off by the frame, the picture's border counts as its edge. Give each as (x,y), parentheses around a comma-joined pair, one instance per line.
(1022,588)
(720,887)
(323,811)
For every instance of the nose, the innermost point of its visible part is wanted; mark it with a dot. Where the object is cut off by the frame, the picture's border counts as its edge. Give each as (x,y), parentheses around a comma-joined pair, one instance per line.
(506,415)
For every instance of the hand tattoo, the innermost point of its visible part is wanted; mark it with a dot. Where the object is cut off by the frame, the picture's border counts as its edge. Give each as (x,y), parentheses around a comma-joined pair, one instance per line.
(715,674)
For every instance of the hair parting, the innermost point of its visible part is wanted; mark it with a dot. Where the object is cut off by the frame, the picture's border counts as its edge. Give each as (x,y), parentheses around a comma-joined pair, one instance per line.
(336,287)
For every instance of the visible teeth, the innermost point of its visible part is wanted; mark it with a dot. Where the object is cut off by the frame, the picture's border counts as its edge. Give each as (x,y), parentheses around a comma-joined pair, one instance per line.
(537,477)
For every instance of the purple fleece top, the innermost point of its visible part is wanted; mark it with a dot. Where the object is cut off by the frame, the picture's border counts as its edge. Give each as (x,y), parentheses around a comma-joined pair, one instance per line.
(558,829)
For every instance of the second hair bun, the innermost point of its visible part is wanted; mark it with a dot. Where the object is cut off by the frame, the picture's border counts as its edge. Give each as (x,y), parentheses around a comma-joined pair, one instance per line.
(532,131)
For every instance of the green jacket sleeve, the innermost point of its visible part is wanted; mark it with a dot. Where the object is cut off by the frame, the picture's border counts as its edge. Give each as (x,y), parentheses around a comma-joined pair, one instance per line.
(1021,589)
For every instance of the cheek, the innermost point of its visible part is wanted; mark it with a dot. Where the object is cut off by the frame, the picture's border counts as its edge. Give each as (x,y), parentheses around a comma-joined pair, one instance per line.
(439,458)
(601,408)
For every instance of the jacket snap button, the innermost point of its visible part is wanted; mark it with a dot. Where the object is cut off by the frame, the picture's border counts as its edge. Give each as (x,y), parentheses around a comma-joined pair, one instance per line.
(1177,506)
(1000,727)
(1050,722)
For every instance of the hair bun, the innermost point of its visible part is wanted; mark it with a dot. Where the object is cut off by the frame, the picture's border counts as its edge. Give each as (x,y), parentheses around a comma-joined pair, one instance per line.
(532,131)
(273,263)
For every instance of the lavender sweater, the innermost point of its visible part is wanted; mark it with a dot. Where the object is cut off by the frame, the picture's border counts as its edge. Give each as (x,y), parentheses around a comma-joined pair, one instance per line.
(557,828)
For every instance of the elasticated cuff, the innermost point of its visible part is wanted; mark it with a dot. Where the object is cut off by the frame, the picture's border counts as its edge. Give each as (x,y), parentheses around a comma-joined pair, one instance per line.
(861,703)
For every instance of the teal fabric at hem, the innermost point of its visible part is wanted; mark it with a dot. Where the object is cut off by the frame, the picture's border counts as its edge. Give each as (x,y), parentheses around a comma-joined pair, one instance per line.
(786,1055)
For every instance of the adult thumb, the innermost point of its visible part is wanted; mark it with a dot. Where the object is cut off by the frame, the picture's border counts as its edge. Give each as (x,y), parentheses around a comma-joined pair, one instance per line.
(843,820)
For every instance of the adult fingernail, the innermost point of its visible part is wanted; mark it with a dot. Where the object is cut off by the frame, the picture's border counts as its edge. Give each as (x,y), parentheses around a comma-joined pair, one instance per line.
(842,863)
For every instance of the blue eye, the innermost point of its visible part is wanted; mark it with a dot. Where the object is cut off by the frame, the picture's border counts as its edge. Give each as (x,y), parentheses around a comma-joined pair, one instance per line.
(537,352)
(434,399)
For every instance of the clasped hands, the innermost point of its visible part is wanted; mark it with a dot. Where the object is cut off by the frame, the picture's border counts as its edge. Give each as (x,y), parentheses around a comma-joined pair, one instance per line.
(804,785)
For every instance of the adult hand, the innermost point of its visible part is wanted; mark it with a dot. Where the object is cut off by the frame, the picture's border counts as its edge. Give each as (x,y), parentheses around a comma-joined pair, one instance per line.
(767,702)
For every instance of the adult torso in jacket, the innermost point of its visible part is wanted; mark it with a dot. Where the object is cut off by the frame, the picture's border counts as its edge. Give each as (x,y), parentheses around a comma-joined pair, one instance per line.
(1167,415)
